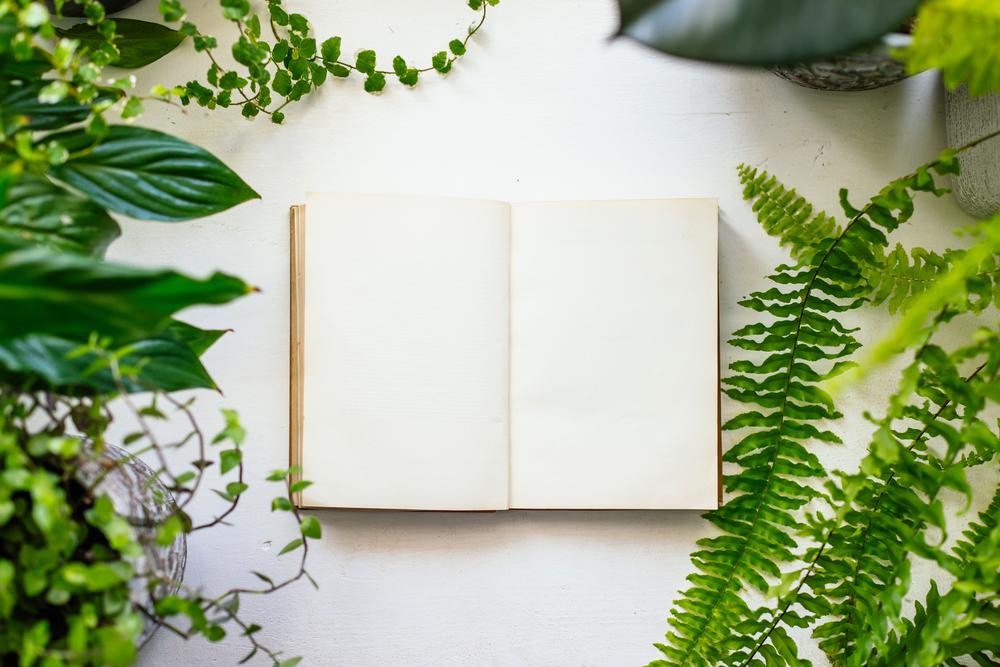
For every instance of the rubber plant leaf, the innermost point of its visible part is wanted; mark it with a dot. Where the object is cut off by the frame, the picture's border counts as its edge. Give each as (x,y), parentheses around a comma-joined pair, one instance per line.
(149,175)
(139,42)
(74,296)
(761,32)
(37,212)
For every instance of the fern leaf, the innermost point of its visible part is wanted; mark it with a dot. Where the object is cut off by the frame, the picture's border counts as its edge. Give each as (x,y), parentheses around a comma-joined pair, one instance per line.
(962,38)
(966,620)
(801,342)
(784,214)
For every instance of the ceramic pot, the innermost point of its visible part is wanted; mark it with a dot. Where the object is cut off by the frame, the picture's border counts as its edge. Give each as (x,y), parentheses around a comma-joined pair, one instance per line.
(110,6)
(145,503)
(870,68)
(977,188)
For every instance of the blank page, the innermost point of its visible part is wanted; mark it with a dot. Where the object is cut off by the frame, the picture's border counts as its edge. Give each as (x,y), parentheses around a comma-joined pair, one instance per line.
(614,355)
(406,353)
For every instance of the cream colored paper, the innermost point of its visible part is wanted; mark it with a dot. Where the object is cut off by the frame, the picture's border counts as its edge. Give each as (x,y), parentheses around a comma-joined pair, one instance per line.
(614,378)
(406,339)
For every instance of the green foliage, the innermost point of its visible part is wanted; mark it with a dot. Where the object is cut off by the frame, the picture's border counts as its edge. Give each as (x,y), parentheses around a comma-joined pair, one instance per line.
(148,174)
(761,32)
(962,38)
(290,63)
(64,572)
(138,42)
(848,579)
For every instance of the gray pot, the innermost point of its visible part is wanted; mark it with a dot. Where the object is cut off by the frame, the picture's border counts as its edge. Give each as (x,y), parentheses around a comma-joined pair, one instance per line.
(140,497)
(977,188)
(870,68)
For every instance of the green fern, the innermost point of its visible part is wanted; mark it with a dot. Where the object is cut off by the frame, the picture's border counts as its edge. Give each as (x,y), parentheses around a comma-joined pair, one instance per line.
(893,278)
(962,38)
(802,343)
(966,620)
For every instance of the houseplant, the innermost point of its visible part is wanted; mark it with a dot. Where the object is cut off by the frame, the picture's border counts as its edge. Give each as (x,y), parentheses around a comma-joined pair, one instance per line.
(830,551)
(816,44)
(85,342)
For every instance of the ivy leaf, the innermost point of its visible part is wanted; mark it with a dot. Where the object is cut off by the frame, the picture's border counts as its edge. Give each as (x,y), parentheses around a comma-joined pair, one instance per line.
(310,528)
(282,83)
(365,62)
(291,546)
(229,459)
(375,82)
(94,296)
(330,50)
(457,47)
(149,175)
(441,62)
(39,212)
(139,42)
(338,70)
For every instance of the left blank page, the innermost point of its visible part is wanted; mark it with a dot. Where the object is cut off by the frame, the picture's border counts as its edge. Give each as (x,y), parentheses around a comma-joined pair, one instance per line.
(406,353)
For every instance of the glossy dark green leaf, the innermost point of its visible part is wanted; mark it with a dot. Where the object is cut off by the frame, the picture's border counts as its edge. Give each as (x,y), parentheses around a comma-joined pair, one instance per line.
(39,212)
(165,362)
(149,175)
(761,32)
(139,42)
(72,296)
(20,108)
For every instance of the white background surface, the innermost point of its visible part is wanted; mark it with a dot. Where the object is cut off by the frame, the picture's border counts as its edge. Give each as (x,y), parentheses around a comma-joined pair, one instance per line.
(545,106)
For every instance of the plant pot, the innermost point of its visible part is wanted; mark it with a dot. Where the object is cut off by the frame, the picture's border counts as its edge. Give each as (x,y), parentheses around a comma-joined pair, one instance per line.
(139,497)
(870,68)
(977,188)
(73,9)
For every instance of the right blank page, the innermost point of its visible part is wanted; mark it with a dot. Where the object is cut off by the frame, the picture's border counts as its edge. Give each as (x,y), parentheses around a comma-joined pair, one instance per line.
(614,355)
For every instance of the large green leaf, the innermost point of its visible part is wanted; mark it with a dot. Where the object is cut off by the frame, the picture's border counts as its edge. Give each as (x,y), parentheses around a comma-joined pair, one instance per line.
(73,296)
(20,108)
(39,212)
(139,42)
(163,362)
(761,32)
(149,175)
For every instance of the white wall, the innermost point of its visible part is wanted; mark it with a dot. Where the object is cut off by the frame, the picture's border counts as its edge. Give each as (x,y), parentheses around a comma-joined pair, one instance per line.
(544,107)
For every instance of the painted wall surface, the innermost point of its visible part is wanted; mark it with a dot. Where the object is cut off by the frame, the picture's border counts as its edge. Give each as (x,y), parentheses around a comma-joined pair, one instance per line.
(545,106)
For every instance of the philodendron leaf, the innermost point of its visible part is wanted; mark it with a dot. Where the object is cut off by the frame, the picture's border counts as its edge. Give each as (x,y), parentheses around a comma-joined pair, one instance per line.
(139,42)
(39,212)
(160,363)
(761,32)
(149,175)
(73,296)
(21,110)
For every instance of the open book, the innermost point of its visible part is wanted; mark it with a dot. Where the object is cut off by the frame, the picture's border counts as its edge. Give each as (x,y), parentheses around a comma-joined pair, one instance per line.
(452,354)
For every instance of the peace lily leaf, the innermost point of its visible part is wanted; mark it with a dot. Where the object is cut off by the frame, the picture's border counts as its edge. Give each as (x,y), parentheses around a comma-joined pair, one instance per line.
(199,340)
(149,175)
(166,362)
(38,212)
(92,296)
(139,42)
(761,32)
(20,108)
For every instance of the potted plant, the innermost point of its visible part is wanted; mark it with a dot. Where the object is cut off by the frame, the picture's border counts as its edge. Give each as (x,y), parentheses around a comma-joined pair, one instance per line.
(852,45)
(92,538)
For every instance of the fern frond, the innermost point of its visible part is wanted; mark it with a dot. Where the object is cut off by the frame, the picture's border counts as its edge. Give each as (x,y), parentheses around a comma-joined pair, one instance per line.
(801,342)
(900,277)
(785,214)
(962,38)
(966,620)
